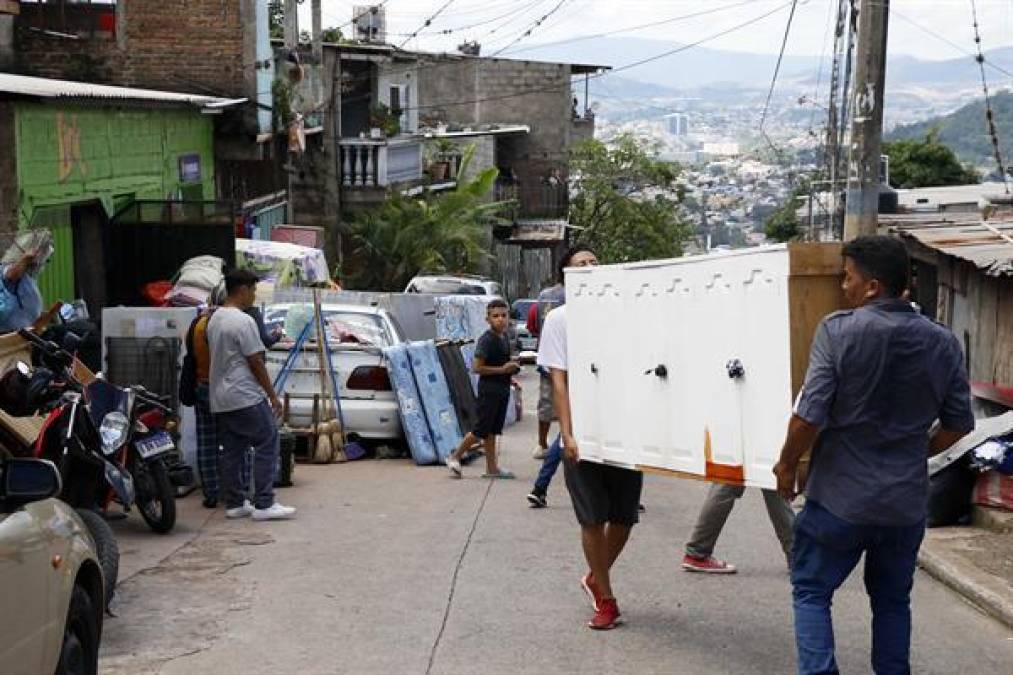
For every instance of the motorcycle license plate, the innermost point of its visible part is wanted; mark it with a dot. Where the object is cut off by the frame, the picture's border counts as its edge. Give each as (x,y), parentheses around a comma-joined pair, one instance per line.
(154,445)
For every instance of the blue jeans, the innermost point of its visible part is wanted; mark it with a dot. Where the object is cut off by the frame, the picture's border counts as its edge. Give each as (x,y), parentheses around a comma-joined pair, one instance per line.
(825,552)
(549,466)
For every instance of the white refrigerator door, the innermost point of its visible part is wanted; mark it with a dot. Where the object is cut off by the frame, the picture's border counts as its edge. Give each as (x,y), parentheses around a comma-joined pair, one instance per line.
(649,350)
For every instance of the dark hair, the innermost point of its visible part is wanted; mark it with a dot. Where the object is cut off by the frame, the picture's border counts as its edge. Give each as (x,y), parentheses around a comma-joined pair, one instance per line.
(236,279)
(498,303)
(882,258)
(564,262)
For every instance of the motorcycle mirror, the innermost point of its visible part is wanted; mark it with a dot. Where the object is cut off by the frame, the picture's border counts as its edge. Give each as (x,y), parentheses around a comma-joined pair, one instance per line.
(67,312)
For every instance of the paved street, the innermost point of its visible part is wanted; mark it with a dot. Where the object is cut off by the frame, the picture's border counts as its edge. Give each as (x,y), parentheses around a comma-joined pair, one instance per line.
(392,568)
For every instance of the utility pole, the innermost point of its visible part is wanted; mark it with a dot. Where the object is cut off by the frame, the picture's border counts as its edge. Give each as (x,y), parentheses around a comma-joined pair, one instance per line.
(861,217)
(291,24)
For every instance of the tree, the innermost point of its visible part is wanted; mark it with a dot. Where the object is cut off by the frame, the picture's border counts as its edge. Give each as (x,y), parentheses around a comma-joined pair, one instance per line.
(625,202)
(276,19)
(782,225)
(409,235)
(926,163)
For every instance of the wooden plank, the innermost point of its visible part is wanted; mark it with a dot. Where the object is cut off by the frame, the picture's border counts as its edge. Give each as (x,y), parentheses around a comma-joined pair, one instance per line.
(984,316)
(10,7)
(1002,372)
(815,259)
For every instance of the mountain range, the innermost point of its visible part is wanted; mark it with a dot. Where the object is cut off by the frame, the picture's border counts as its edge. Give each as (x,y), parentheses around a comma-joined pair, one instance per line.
(701,66)
(964,130)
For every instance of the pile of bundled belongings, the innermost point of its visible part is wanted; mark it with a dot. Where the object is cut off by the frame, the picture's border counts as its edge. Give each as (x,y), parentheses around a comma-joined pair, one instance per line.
(282,264)
(192,286)
(977,469)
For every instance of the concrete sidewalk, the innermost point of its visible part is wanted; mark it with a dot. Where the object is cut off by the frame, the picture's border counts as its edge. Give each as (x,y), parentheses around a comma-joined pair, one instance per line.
(976,561)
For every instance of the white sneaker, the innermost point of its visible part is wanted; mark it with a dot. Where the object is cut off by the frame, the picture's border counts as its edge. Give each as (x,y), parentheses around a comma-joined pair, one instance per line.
(455,467)
(244,511)
(540,453)
(274,512)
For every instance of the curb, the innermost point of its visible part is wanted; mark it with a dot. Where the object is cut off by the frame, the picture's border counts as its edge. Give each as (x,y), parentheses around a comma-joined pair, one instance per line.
(943,568)
(992,519)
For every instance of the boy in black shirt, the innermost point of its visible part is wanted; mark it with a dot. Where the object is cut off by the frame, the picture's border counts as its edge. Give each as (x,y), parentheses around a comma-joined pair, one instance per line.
(494,367)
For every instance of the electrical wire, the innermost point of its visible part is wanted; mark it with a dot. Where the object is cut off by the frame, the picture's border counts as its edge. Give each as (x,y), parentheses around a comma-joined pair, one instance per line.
(624,67)
(943,38)
(777,71)
(425,24)
(989,114)
(628,29)
(456,29)
(531,28)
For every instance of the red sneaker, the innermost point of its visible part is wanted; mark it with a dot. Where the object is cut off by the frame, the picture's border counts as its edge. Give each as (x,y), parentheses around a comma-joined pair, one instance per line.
(606,617)
(592,590)
(708,565)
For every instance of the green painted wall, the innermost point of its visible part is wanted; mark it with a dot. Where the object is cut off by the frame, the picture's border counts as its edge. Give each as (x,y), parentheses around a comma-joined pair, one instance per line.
(67,154)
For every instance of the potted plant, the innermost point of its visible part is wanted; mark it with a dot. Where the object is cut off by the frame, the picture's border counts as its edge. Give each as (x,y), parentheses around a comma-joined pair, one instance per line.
(448,154)
(384,120)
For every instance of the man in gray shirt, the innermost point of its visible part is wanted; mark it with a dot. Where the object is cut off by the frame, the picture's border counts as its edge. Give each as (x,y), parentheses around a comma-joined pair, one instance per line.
(879,376)
(244,402)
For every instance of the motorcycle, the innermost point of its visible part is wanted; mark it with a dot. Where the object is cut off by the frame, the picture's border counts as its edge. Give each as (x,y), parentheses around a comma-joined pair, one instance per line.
(129,428)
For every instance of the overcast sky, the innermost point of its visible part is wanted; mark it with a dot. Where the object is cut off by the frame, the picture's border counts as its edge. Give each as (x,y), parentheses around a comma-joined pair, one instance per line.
(502,21)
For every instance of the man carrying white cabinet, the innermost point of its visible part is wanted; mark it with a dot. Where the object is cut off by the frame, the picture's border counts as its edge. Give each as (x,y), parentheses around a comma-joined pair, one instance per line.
(605,498)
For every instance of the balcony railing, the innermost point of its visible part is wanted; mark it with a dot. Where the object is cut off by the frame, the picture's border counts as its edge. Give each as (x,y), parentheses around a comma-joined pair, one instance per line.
(535,201)
(367,163)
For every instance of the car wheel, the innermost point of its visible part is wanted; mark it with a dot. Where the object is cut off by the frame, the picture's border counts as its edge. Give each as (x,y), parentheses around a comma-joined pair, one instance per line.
(107,548)
(79,651)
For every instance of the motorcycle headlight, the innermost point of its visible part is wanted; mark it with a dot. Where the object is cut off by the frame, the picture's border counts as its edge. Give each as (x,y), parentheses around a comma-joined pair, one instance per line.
(113,431)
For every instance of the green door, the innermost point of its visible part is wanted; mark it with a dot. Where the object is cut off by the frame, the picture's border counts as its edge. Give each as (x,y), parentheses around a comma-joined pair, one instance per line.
(56,282)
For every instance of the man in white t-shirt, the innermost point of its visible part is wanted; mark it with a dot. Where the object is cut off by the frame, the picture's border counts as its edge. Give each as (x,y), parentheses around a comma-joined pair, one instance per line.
(605,497)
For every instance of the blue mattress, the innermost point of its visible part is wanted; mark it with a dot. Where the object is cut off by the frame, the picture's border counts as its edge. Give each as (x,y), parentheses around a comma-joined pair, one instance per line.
(435,395)
(413,417)
(461,317)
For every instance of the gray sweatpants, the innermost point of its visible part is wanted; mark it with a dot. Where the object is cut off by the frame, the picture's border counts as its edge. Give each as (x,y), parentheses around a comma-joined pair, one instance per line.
(239,432)
(717,508)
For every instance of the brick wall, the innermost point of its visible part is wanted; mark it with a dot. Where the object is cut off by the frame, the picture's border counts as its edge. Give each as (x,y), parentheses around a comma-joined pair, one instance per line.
(183,45)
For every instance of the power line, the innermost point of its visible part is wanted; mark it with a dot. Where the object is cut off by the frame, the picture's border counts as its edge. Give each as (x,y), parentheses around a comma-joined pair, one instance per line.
(950,42)
(518,14)
(989,115)
(531,28)
(425,24)
(456,29)
(777,70)
(624,67)
(628,29)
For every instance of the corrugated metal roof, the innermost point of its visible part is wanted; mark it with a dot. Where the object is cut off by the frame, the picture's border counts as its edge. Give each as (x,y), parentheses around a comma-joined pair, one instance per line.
(986,244)
(41,87)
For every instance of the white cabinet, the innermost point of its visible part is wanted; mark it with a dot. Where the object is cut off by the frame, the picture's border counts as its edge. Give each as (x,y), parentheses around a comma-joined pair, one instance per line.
(690,365)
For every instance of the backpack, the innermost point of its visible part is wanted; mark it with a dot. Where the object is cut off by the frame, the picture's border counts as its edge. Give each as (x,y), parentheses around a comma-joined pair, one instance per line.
(188,375)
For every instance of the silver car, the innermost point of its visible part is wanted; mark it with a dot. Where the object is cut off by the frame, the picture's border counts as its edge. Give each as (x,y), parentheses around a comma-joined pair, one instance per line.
(50,577)
(356,336)
(454,284)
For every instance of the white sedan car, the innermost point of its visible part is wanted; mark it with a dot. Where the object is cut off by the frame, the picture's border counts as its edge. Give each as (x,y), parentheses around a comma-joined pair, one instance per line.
(356,335)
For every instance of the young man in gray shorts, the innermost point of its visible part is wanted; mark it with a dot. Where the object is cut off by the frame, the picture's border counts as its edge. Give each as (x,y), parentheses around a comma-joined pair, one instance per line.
(605,498)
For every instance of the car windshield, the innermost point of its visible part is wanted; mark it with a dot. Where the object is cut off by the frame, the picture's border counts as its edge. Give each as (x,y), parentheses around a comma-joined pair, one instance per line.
(343,327)
(446,287)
